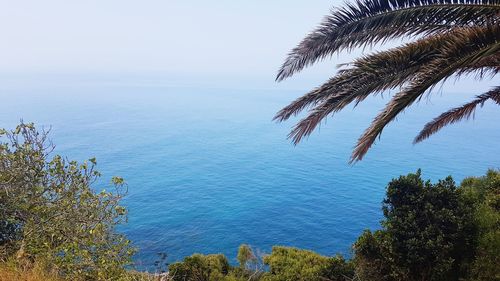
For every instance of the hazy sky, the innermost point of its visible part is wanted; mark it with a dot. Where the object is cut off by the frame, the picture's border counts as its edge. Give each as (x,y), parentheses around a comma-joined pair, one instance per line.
(214,40)
(185,36)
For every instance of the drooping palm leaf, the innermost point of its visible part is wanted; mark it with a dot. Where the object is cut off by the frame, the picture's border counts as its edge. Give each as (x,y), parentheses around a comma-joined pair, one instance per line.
(487,66)
(455,37)
(457,114)
(476,44)
(395,65)
(372,74)
(371,21)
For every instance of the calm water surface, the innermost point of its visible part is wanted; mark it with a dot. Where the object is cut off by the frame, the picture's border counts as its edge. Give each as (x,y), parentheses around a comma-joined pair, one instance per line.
(208,170)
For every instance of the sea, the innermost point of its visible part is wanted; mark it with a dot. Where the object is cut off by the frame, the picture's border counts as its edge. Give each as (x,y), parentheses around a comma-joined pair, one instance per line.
(208,170)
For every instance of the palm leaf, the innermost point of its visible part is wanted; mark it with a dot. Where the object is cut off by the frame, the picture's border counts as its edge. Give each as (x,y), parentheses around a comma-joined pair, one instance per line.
(394,65)
(371,21)
(474,45)
(457,114)
(328,89)
(373,74)
(488,65)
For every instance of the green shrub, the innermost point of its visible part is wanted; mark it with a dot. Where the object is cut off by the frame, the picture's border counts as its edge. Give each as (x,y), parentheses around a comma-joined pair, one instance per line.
(484,194)
(287,264)
(251,265)
(200,267)
(246,256)
(372,259)
(429,232)
(50,213)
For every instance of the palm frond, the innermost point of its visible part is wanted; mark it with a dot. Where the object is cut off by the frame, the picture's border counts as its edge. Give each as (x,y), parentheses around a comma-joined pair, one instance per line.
(457,114)
(372,21)
(333,86)
(337,101)
(487,66)
(394,65)
(473,45)
(370,75)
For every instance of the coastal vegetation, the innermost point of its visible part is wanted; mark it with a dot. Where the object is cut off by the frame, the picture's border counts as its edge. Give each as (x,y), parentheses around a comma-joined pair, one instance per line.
(446,39)
(58,223)
(51,215)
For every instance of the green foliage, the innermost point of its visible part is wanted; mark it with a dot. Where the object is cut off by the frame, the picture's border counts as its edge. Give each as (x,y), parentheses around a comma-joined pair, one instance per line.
(295,264)
(251,264)
(200,267)
(434,231)
(50,212)
(484,194)
(427,227)
(245,255)
(372,259)
(284,264)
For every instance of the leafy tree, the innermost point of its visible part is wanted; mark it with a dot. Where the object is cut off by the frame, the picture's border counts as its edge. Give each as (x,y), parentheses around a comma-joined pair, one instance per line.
(50,213)
(484,194)
(287,264)
(428,233)
(453,38)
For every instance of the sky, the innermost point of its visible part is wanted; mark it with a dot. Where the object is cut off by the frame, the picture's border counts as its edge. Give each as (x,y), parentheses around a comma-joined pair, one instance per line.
(189,40)
(195,38)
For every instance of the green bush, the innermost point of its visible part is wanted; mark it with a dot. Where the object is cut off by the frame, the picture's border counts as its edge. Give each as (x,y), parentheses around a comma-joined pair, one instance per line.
(246,256)
(50,213)
(372,260)
(251,265)
(294,264)
(483,194)
(434,231)
(200,267)
(284,264)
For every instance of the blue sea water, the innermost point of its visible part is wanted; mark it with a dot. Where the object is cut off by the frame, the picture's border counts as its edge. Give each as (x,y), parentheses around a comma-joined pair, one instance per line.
(208,170)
